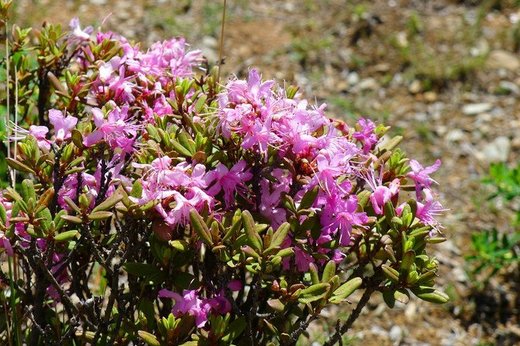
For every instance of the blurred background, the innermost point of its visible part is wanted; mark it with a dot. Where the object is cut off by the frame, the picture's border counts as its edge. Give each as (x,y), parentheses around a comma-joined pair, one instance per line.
(444,74)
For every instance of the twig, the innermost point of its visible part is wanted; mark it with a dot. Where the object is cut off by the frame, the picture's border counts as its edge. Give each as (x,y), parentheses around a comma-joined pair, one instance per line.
(353,316)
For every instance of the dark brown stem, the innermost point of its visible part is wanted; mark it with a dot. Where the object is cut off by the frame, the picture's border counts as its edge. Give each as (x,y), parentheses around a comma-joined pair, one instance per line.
(353,316)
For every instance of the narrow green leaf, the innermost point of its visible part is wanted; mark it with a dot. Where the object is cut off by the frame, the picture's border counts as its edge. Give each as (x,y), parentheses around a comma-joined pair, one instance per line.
(108,203)
(65,236)
(329,271)
(345,290)
(249,224)
(71,218)
(15,164)
(200,227)
(390,273)
(309,198)
(279,236)
(100,215)
(150,339)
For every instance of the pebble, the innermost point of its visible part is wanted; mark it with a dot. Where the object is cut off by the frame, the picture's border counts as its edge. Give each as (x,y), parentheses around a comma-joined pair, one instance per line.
(353,78)
(430,96)
(509,86)
(495,151)
(415,87)
(396,334)
(502,59)
(476,108)
(368,84)
(455,135)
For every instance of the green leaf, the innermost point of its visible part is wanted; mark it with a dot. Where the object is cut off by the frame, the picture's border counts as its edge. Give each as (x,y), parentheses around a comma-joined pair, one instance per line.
(108,203)
(179,245)
(234,329)
(66,236)
(137,189)
(329,271)
(72,218)
(100,215)
(150,339)
(309,198)
(253,237)
(390,273)
(345,290)
(19,166)
(313,293)
(200,227)
(180,149)
(406,263)
(279,236)
(431,295)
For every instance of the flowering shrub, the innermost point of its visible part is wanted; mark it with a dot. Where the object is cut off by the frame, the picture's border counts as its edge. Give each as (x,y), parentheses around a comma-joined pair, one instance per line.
(157,205)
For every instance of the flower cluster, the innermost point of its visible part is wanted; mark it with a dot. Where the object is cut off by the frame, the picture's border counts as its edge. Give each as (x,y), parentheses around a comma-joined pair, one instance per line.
(241,202)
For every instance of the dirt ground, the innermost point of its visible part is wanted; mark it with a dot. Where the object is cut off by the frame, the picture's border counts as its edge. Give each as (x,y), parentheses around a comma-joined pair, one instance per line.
(444,74)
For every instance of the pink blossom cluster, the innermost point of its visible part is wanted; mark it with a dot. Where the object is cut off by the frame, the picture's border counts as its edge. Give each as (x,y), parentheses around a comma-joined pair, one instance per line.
(275,145)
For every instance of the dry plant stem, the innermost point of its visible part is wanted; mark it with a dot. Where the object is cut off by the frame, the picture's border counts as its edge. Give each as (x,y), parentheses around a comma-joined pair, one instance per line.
(353,316)
(221,47)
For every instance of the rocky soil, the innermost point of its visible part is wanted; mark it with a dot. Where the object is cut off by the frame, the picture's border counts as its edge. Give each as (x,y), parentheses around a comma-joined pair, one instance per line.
(444,74)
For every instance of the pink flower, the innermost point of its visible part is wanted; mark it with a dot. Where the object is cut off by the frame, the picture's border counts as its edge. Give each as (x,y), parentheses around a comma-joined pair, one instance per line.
(383,194)
(189,303)
(366,135)
(115,130)
(227,180)
(40,133)
(303,259)
(77,32)
(429,209)
(340,215)
(271,193)
(6,244)
(421,175)
(62,125)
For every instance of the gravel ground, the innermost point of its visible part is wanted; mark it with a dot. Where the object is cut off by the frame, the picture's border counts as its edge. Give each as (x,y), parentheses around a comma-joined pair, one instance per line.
(445,74)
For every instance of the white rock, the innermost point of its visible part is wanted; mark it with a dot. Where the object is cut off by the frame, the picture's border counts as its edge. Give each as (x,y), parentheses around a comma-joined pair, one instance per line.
(367,84)
(510,86)
(496,151)
(455,135)
(476,108)
(396,334)
(502,59)
(353,78)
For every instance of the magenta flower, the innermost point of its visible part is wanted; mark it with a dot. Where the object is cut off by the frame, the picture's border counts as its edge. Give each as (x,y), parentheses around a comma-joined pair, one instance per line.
(429,209)
(6,244)
(366,135)
(383,194)
(40,133)
(189,303)
(421,175)
(62,125)
(115,130)
(340,216)
(228,180)
(77,32)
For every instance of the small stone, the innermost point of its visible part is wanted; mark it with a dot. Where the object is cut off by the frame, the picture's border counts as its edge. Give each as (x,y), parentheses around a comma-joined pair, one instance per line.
(455,135)
(509,86)
(353,78)
(415,87)
(496,151)
(476,108)
(368,84)
(396,334)
(430,96)
(502,59)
